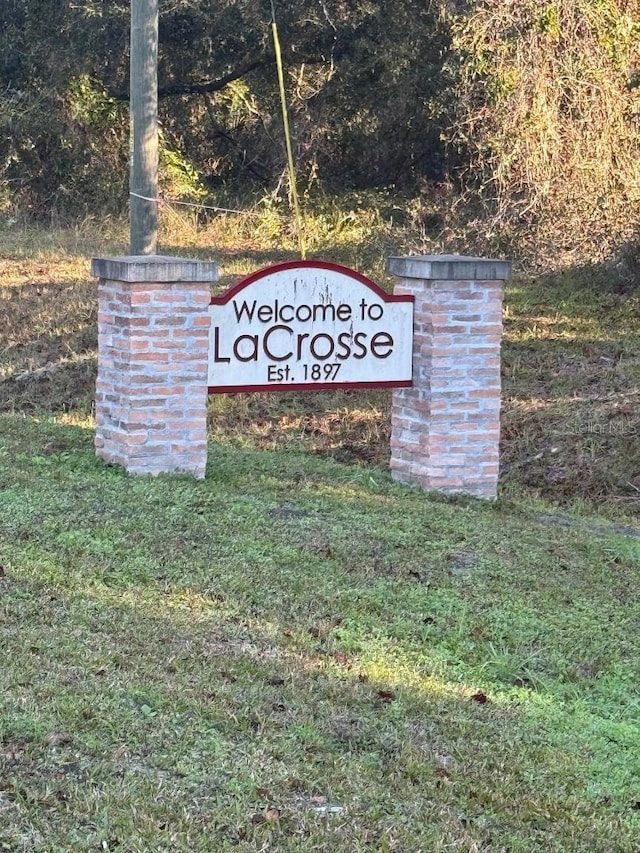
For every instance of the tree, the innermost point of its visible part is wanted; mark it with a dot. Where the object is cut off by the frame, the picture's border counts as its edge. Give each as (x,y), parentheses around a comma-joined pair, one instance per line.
(364,83)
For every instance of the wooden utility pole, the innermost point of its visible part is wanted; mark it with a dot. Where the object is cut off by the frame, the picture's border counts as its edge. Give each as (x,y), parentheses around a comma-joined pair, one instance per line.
(143,102)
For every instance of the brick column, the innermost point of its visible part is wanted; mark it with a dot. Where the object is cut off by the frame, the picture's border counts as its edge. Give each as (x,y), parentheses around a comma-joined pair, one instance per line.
(445,430)
(153,336)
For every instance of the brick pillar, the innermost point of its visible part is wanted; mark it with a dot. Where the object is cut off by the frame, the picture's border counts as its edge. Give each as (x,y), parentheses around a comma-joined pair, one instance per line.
(445,430)
(153,336)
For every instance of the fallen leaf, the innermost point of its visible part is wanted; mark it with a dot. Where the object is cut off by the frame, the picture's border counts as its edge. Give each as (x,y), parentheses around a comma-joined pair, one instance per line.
(386,695)
(228,676)
(15,752)
(267,816)
(262,792)
(481,698)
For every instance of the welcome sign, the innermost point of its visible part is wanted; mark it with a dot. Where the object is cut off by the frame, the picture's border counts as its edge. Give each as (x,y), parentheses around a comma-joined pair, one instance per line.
(309,325)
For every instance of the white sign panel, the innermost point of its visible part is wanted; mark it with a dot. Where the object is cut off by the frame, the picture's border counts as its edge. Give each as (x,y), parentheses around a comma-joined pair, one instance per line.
(309,325)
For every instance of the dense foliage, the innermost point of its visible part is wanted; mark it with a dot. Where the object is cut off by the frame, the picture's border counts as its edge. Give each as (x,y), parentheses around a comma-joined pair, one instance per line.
(528,111)
(549,117)
(362,82)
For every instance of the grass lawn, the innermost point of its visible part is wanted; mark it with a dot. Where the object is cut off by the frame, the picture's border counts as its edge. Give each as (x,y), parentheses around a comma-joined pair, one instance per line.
(296,653)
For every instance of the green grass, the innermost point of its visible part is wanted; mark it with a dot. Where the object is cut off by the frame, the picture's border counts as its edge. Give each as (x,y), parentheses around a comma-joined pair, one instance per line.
(295,654)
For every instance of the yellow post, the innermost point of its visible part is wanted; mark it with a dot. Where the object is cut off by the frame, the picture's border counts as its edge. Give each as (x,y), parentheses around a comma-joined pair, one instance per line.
(287,135)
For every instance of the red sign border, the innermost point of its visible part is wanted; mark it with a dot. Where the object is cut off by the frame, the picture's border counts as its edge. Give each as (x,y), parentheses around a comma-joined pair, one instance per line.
(237,288)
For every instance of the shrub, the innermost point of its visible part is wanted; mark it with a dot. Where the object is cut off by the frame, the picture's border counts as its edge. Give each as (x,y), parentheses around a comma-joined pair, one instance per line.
(547,116)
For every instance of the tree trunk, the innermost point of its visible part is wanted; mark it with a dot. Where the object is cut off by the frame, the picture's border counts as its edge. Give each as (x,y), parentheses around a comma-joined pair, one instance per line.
(143,176)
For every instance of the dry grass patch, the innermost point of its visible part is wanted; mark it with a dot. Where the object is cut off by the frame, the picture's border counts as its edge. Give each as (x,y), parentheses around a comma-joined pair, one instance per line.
(570,355)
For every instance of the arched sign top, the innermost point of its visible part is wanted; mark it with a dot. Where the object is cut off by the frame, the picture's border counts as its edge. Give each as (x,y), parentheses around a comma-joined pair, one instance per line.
(308,265)
(309,325)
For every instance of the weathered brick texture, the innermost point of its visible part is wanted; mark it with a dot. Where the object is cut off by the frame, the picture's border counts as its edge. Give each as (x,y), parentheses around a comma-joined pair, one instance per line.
(445,430)
(151,391)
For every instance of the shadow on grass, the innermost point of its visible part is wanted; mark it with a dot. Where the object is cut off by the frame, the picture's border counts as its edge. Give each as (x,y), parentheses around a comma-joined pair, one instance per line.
(177,707)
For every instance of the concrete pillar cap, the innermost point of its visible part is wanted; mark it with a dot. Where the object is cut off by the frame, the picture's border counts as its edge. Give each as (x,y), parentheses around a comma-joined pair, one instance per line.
(154,268)
(449,268)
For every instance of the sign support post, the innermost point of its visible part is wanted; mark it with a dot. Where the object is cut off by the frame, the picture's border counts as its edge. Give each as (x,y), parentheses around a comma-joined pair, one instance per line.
(153,337)
(445,429)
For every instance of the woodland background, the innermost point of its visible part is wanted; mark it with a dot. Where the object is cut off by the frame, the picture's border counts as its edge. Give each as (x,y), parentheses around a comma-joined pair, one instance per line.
(507,126)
